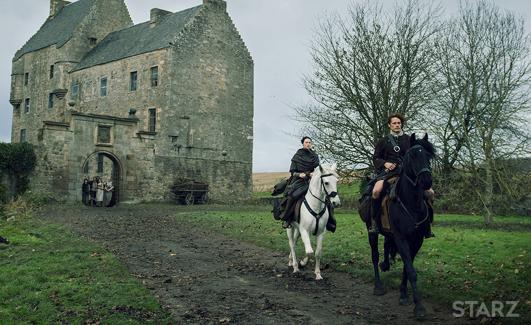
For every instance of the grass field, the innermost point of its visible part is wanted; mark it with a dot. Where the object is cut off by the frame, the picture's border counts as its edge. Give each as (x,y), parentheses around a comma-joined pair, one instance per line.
(464,262)
(50,276)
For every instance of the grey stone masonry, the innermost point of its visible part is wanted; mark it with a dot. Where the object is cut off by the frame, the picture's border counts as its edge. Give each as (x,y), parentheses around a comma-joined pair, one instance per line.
(162,101)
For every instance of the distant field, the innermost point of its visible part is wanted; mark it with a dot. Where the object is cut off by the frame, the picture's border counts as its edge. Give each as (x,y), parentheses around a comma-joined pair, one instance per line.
(263,185)
(264,182)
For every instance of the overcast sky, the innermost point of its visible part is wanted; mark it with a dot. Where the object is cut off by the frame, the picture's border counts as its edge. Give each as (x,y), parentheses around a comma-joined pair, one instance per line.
(277,32)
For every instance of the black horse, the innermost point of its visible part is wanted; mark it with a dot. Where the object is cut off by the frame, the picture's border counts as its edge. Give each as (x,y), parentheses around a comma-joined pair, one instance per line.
(409,216)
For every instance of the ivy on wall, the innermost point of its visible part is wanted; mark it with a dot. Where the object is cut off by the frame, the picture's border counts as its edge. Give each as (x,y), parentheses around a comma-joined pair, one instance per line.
(17,162)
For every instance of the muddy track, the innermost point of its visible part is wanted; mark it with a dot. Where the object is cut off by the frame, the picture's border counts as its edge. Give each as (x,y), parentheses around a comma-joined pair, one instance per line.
(203,277)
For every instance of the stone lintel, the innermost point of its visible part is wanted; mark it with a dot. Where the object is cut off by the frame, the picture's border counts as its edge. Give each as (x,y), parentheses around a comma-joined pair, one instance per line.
(127,120)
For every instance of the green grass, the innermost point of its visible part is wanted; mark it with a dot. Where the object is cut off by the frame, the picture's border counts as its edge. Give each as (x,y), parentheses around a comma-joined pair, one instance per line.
(459,264)
(51,276)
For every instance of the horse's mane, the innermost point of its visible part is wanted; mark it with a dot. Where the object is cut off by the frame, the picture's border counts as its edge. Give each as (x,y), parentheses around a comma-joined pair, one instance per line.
(327,168)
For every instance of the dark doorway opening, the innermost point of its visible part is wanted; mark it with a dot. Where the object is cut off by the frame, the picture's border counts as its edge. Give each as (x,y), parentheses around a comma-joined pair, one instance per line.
(106,166)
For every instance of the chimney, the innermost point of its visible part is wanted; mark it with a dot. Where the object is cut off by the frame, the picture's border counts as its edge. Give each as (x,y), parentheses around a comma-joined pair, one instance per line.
(215,4)
(56,6)
(156,15)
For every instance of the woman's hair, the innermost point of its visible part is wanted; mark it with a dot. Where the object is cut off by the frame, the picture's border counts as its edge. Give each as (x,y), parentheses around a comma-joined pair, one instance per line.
(396,115)
(304,138)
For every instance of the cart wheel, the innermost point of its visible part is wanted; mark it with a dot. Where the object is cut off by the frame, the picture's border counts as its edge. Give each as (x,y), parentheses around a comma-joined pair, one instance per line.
(189,199)
(204,198)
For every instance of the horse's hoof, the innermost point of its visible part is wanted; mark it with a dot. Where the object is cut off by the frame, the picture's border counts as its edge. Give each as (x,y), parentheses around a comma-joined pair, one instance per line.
(302,264)
(310,253)
(404,301)
(295,270)
(318,277)
(379,290)
(420,312)
(384,266)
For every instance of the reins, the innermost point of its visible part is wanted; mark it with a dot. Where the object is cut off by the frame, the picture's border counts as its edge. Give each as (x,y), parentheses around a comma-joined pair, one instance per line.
(414,183)
(318,215)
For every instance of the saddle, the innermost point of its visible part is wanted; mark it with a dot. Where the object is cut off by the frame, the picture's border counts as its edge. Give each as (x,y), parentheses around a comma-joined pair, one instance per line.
(389,194)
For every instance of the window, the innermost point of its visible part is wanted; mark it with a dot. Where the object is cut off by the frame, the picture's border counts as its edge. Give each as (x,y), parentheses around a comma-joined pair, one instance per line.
(50,100)
(26,78)
(152,119)
(23,135)
(93,40)
(26,105)
(104,134)
(154,76)
(74,89)
(133,82)
(52,67)
(100,163)
(103,87)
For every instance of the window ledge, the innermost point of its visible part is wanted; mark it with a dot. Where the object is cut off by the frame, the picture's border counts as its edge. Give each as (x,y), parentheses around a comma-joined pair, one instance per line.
(104,144)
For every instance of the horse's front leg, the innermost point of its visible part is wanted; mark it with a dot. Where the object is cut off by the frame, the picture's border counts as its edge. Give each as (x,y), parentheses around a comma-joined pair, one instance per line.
(318,253)
(305,236)
(292,256)
(385,265)
(379,289)
(407,258)
(404,299)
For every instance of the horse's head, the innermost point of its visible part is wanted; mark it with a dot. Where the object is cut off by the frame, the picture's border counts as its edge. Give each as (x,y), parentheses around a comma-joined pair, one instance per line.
(417,159)
(328,177)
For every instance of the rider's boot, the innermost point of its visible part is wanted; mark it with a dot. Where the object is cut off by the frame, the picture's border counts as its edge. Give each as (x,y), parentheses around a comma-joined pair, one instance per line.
(429,233)
(376,209)
(331,224)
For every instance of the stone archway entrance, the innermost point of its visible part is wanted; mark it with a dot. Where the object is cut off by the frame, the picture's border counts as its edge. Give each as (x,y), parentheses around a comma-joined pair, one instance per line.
(107,166)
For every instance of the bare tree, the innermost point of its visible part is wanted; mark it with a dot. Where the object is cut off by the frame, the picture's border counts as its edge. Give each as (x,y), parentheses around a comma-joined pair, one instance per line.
(366,66)
(482,94)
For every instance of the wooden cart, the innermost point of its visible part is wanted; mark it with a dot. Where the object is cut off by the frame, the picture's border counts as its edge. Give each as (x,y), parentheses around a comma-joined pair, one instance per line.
(190,192)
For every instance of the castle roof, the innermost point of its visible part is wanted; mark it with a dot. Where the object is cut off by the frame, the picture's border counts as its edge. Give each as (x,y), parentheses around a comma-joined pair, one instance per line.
(57,29)
(138,39)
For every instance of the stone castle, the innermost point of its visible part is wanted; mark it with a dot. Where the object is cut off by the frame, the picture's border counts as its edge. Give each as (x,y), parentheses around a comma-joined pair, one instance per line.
(160,101)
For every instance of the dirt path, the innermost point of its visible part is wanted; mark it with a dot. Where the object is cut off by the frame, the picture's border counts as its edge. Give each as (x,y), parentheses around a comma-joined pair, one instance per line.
(206,278)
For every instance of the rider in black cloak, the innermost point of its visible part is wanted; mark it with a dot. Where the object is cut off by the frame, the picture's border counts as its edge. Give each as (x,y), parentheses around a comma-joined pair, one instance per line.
(302,166)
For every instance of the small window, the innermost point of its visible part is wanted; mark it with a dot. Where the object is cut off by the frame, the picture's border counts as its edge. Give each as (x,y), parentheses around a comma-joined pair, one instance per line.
(23,135)
(52,68)
(133,82)
(154,76)
(104,134)
(103,87)
(26,78)
(50,100)
(26,105)
(93,40)
(152,119)
(100,163)
(74,89)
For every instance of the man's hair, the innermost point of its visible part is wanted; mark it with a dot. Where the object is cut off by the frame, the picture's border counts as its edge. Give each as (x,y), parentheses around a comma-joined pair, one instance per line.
(396,115)
(304,138)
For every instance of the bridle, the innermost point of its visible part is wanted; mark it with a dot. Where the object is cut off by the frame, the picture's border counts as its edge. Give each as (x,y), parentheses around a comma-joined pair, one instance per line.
(419,172)
(328,195)
(326,202)
(414,183)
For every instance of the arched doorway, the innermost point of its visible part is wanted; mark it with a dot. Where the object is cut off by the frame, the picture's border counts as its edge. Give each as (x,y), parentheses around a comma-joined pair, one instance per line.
(107,166)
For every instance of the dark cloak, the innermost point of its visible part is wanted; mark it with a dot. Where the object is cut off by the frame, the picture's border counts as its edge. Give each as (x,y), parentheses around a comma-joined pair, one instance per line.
(304,161)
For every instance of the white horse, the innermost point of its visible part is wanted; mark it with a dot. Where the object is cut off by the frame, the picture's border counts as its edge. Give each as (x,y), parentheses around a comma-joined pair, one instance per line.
(314,216)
